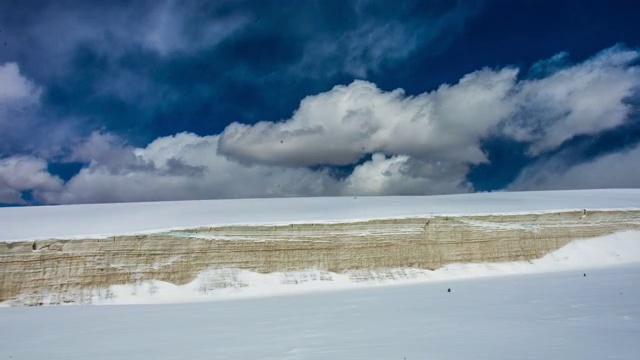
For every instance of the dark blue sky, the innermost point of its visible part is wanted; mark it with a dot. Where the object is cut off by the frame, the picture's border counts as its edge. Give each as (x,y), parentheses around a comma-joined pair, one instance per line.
(107,78)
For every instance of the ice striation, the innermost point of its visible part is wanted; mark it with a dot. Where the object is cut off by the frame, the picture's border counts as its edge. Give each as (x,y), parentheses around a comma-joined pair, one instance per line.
(57,271)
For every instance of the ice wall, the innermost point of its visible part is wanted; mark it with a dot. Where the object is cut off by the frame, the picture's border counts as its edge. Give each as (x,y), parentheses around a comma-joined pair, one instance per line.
(74,271)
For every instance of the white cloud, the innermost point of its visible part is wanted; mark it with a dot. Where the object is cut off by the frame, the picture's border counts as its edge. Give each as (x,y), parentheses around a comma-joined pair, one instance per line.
(401,175)
(187,166)
(422,144)
(25,173)
(105,149)
(445,126)
(580,100)
(14,87)
(340,126)
(616,170)
(184,166)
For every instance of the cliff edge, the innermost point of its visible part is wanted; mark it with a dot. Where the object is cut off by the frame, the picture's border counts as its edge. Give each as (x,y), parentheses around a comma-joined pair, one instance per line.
(84,270)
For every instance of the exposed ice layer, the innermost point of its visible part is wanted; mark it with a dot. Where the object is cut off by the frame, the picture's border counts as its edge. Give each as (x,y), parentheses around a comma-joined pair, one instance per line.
(228,258)
(617,249)
(102,220)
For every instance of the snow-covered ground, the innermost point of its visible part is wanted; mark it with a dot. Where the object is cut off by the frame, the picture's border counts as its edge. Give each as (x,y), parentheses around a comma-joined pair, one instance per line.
(561,315)
(540,309)
(73,221)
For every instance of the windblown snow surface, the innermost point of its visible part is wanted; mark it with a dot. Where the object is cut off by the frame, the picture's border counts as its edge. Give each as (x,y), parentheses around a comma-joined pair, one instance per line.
(580,302)
(559,315)
(100,220)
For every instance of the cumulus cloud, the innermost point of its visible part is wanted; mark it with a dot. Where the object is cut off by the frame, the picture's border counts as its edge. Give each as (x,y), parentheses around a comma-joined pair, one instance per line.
(402,175)
(578,100)
(25,173)
(445,126)
(616,170)
(340,126)
(184,166)
(419,144)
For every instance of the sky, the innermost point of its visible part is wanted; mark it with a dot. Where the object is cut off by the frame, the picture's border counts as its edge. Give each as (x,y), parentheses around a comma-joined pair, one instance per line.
(126,101)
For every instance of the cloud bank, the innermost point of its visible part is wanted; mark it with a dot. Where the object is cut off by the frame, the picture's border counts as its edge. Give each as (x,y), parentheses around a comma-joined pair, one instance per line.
(180,167)
(340,126)
(389,142)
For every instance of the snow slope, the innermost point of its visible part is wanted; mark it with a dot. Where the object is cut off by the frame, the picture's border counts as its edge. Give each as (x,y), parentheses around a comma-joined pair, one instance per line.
(561,315)
(73,221)
(539,309)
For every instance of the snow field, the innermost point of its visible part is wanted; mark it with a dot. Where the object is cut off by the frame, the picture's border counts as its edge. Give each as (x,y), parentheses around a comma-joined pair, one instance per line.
(560,315)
